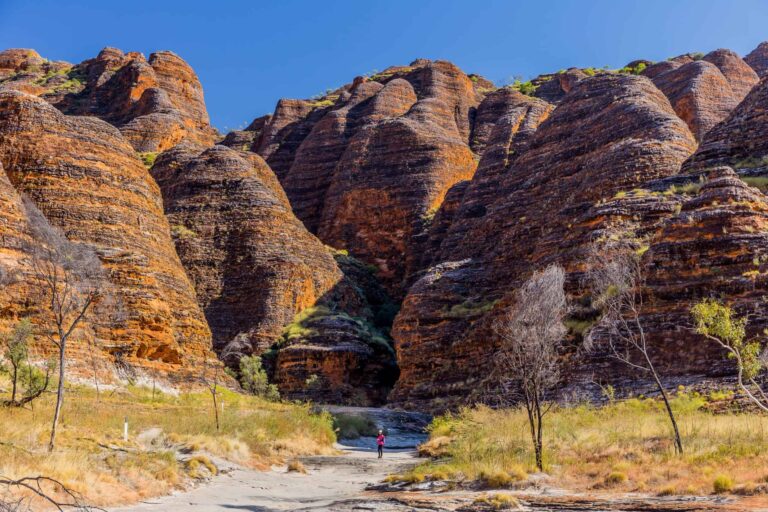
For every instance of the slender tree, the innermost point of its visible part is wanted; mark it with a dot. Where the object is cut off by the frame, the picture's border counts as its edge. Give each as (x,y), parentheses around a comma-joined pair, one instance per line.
(211,376)
(616,280)
(717,323)
(530,336)
(71,276)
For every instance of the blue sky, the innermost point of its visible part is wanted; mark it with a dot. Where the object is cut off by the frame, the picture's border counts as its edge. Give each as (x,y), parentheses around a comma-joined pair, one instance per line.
(249,54)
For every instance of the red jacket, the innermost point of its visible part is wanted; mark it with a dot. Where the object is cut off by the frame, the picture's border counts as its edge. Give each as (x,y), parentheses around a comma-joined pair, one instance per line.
(380,440)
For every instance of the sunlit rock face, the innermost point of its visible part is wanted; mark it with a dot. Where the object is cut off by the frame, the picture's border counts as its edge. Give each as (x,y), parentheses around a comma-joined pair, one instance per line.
(155,103)
(87,180)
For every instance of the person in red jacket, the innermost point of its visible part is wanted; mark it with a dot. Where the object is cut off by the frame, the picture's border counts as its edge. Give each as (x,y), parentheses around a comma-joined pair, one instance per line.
(380,443)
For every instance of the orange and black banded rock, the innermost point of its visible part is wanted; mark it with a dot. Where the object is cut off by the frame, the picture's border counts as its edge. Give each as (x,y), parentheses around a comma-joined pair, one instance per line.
(395,174)
(758,59)
(740,140)
(610,133)
(257,270)
(155,103)
(705,91)
(87,180)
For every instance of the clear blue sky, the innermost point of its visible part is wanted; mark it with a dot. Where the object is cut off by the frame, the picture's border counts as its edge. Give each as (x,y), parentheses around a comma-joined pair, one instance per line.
(250,53)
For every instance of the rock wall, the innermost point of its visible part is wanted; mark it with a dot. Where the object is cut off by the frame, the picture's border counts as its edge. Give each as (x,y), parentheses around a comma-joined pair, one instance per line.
(155,104)
(257,270)
(88,181)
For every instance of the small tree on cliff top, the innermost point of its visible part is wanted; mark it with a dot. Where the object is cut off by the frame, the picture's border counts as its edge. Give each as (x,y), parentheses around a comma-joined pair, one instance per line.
(531,334)
(716,322)
(616,280)
(71,275)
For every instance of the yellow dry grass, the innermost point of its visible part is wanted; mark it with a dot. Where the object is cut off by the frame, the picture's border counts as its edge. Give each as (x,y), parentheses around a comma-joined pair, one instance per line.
(622,447)
(92,458)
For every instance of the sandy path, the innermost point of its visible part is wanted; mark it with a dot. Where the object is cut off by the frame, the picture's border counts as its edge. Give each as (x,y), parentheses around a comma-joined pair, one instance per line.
(328,480)
(331,483)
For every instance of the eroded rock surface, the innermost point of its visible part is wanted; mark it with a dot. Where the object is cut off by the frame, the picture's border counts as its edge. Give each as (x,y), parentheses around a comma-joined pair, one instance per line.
(610,133)
(257,270)
(704,92)
(88,181)
(155,103)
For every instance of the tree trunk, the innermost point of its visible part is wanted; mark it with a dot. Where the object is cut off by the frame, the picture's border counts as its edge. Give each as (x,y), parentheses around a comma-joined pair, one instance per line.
(59,395)
(215,409)
(539,441)
(15,379)
(670,413)
(678,441)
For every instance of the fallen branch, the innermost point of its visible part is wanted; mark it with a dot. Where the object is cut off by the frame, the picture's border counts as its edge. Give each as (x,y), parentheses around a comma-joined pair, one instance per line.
(35,485)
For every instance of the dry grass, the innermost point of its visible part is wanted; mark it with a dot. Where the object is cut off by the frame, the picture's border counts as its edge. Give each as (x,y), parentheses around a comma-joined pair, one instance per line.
(626,446)
(295,466)
(93,459)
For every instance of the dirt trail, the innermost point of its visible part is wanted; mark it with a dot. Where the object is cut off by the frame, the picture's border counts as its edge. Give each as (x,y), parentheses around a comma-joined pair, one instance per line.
(348,483)
(331,482)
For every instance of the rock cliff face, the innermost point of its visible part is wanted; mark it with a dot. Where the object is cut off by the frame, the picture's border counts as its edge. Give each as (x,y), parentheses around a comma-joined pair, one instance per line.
(155,104)
(257,270)
(298,238)
(627,134)
(704,92)
(88,181)
(758,59)
(365,166)
(739,141)
(394,175)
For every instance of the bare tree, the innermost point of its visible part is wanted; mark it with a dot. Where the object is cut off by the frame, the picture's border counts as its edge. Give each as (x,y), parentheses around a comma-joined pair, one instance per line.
(531,333)
(211,376)
(71,275)
(616,279)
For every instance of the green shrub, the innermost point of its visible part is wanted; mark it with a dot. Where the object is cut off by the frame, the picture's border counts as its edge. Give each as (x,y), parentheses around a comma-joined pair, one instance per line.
(616,478)
(352,426)
(527,88)
(148,159)
(759,182)
(182,232)
(469,308)
(253,378)
(722,484)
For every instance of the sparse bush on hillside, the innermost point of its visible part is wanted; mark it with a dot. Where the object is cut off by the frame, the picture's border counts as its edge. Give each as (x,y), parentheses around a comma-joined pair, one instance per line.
(759,182)
(527,88)
(148,159)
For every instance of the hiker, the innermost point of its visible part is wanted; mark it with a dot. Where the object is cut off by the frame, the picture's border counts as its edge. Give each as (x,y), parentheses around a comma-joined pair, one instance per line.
(380,443)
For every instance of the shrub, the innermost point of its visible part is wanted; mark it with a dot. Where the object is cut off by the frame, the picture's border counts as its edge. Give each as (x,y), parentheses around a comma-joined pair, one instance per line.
(759,182)
(722,484)
(616,478)
(182,232)
(498,501)
(148,159)
(352,426)
(253,378)
(295,466)
(196,464)
(668,490)
(499,478)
